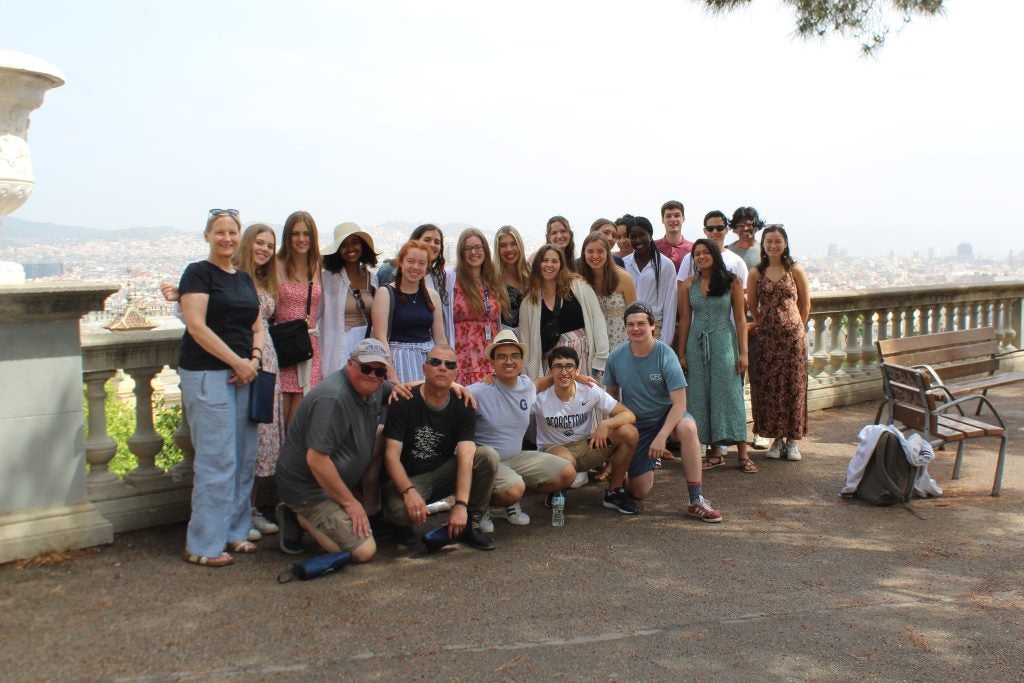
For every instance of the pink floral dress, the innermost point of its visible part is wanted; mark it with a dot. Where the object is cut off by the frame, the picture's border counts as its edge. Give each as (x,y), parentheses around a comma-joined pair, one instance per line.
(291,305)
(471,336)
(271,434)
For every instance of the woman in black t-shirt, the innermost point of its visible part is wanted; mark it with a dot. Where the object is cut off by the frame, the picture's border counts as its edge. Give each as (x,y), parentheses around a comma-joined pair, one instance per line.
(220,354)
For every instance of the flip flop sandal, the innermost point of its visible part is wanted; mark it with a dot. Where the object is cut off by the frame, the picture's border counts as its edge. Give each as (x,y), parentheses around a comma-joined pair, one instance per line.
(242,547)
(221,561)
(747,466)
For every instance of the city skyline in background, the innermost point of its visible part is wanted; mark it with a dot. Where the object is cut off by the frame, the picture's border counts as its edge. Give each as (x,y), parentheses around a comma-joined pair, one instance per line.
(470,113)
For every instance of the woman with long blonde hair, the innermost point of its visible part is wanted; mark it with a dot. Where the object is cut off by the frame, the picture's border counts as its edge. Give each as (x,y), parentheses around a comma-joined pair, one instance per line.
(513,271)
(478,302)
(299,267)
(256,256)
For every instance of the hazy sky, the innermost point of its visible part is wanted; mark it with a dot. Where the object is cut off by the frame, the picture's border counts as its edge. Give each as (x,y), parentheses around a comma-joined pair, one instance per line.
(491,113)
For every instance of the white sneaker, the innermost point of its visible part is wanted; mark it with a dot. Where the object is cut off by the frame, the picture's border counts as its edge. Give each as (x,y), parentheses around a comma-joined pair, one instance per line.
(262,524)
(255,535)
(775,452)
(486,525)
(580,480)
(515,515)
(760,442)
(792,451)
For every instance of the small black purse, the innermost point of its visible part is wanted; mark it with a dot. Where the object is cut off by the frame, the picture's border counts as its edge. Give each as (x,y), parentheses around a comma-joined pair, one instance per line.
(291,339)
(261,396)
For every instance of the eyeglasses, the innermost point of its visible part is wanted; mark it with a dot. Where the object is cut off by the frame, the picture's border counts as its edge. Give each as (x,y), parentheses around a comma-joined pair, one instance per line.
(224,212)
(744,225)
(502,357)
(436,363)
(567,367)
(367,369)
(475,249)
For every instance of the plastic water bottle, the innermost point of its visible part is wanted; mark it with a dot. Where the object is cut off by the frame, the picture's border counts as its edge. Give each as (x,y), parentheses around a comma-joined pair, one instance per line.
(558,509)
(443,505)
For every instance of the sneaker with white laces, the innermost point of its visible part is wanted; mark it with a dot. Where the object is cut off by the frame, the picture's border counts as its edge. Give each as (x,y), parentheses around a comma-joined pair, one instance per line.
(775,452)
(792,451)
(703,511)
(262,524)
(760,442)
(580,480)
(486,525)
(255,535)
(515,515)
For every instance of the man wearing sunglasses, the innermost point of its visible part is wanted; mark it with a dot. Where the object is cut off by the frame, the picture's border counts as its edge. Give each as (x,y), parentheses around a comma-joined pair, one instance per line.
(430,453)
(330,451)
(716,225)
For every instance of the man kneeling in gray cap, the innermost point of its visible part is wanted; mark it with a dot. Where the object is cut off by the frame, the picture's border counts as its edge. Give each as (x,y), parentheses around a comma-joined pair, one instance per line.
(328,451)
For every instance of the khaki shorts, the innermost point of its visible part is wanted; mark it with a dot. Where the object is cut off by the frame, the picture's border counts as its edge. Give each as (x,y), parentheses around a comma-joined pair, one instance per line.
(587,458)
(532,467)
(328,523)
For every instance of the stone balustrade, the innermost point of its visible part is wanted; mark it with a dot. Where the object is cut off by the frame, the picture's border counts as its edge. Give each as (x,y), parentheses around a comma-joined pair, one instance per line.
(842,370)
(843,328)
(147,495)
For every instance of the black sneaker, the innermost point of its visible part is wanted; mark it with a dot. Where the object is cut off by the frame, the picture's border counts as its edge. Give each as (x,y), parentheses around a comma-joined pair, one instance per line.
(406,536)
(290,540)
(621,501)
(475,538)
(548,498)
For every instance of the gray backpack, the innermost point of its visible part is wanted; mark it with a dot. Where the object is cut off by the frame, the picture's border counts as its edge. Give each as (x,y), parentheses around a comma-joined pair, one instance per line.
(888,477)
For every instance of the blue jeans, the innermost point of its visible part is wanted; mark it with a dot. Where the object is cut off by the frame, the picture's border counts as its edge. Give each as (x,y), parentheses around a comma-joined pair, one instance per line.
(225,461)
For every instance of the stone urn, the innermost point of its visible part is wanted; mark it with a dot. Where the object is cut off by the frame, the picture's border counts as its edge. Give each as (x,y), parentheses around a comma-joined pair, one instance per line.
(24,80)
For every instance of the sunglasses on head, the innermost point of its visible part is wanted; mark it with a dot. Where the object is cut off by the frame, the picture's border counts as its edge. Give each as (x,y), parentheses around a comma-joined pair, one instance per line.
(436,363)
(224,212)
(366,369)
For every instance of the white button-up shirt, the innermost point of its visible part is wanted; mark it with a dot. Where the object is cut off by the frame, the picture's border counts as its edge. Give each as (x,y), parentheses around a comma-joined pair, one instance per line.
(657,291)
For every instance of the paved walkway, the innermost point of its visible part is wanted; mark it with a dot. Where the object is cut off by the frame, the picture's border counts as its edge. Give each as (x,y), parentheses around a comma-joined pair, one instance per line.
(796,584)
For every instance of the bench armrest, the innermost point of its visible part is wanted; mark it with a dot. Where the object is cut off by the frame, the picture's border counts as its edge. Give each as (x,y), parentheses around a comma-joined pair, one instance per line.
(982,400)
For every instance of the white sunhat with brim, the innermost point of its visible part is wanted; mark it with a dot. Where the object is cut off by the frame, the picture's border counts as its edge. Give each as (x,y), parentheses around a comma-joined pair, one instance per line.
(342,232)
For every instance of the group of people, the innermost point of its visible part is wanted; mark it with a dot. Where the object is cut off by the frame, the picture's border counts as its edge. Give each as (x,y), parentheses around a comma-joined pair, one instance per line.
(578,360)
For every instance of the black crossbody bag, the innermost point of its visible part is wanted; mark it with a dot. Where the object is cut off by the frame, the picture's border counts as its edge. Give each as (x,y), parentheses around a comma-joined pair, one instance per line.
(291,339)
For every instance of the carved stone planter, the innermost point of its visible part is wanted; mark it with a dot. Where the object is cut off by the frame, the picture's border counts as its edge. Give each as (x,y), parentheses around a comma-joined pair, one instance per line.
(24,81)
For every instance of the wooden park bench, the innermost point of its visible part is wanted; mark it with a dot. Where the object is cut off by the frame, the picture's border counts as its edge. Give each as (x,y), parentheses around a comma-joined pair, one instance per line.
(964,361)
(933,411)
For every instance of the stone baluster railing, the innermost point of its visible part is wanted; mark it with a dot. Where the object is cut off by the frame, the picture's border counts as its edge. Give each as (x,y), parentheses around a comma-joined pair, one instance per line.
(854,320)
(99,447)
(157,495)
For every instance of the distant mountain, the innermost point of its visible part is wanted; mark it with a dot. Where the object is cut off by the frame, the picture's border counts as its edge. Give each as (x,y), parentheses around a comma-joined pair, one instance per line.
(20,231)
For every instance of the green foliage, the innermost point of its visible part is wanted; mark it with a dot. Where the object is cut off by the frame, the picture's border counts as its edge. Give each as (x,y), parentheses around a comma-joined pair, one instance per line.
(869,21)
(121,425)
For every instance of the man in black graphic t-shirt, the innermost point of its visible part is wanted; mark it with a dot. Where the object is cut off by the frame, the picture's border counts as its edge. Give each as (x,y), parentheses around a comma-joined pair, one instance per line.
(430,454)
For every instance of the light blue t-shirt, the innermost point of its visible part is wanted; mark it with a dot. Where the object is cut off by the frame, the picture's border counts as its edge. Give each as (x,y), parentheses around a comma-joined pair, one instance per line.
(644,383)
(503,414)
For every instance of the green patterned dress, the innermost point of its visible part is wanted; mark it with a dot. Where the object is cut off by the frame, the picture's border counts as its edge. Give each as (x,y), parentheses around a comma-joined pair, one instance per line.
(714,392)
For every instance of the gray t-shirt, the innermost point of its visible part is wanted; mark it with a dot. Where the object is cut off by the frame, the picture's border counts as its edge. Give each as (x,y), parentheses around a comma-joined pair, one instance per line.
(503,414)
(333,419)
(751,256)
